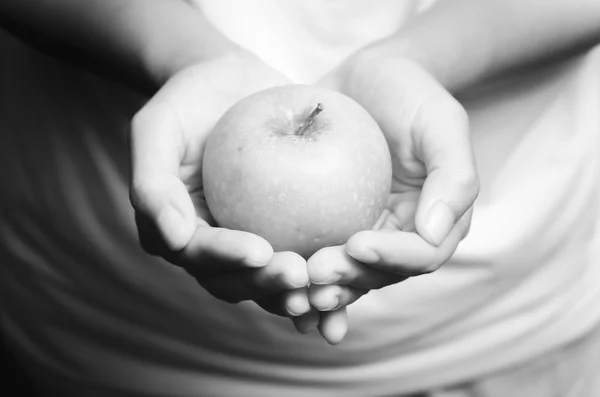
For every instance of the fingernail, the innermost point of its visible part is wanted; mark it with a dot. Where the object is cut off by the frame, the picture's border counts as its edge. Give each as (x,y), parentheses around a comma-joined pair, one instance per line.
(439,222)
(172,227)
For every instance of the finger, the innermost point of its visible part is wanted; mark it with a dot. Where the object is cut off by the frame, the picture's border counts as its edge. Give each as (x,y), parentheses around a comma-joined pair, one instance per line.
(292,303)
(285,271)
(308,322)
(402,214)
(427,130)
(215,250)
(331,297)
(296,302)
(402,253)
(451,185)
(161,200)
(333,265)
(333,325)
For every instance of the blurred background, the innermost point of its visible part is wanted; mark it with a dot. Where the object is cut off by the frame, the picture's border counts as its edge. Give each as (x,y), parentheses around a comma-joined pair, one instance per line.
(12,376)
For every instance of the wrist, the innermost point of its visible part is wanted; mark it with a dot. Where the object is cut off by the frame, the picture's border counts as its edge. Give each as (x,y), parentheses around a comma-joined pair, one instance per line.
(447,61)
(373,65)
(400,50)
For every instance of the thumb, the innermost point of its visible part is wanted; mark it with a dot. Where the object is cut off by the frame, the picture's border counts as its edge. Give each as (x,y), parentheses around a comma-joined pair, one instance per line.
(165,213)
(451,185)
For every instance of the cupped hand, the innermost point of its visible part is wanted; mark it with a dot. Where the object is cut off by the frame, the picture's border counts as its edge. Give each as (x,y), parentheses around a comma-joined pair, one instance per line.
(434,187)
(167,139)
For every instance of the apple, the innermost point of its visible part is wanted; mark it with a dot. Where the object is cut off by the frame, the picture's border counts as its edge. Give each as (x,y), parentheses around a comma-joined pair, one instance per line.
(303,167)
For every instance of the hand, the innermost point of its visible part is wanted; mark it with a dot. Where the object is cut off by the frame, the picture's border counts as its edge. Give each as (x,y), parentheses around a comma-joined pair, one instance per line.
(167,141)
(434,187)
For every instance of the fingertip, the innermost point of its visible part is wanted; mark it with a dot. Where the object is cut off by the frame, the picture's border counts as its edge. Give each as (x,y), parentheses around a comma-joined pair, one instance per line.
(324,297)
(258,252)
(291,269)
(298,276)
(297,303)
(318,267)
(333,326)
(360,247)
(329,265)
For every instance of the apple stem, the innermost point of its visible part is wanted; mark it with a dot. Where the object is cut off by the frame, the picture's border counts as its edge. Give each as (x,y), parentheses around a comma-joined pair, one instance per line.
(309,120)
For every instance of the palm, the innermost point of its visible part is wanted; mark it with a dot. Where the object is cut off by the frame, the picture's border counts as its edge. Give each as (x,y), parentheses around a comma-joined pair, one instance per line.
(198,96)
(404,197)
(433,187)
(168,137)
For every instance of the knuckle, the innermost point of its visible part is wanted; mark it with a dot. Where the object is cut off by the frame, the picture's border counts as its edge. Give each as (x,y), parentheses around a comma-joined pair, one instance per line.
(467,182)
(146,190)
(450,110)
(441,113)
(142,187)
(445,109)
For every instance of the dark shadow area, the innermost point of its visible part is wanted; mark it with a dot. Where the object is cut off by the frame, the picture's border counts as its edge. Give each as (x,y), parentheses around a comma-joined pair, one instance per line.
(12,376)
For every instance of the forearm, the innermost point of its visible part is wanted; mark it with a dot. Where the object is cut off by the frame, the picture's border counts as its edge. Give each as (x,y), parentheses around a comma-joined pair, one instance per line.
(146,40)
(461,42)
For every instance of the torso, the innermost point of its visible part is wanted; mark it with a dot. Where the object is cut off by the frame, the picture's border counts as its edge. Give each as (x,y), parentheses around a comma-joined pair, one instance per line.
(85,305)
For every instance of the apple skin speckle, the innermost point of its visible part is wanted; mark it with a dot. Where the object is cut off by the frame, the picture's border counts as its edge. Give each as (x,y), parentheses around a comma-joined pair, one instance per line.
(301,193)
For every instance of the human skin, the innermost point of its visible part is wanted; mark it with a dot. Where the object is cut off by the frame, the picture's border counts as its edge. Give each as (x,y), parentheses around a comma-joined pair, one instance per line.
(193,74)
(406,81)
(455,44)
